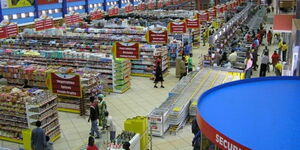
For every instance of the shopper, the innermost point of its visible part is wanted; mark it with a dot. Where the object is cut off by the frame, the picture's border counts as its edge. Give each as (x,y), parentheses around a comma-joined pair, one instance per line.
(91,144)
(278,69)
(49,143)
(232,57)
(102,108)
(38,138)
(190,63)
(248,68)
(269,37)
(182,68)
(280,43)
(94,115)
(275,59)
(284,49)
(126,146)
(264,64)
(197,135)
(158,76)
(217,58)
(110,127)
(254,58)
(224,59)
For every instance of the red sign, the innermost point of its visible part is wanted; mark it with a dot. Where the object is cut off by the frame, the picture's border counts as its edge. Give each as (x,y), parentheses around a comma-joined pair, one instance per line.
(160,4)
(95,15)
(129,8)
(221,140)
(126,50)
(203,16)
(151,5)
(113,11)
(12,30)
(44,24)
(72,19)
(177,27)
(141,6)
(157,37)
(3,33)
(168,3)
(192,23)
(65,84)
(212,13)
(42,2)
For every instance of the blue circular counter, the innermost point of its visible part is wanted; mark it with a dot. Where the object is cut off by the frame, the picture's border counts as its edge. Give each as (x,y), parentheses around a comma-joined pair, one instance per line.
(259,114)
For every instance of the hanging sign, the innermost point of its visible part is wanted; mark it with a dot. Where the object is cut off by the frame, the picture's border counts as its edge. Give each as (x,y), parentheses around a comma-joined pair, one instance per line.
(96,15)
(44,24)
(49,23)
(160,4)
(126,50)
(177,27)
(12,30)
(150,5)
(175,2)
(42,2)
(113,11)
(168,2)
(65,84)
(203,16)
(72,19)
(157,37)
(212,13)
(141,6)
(3,33)
(129,8)
(192,23)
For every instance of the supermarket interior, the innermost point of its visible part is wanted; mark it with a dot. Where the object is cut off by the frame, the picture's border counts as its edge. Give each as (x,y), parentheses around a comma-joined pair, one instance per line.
(149,74)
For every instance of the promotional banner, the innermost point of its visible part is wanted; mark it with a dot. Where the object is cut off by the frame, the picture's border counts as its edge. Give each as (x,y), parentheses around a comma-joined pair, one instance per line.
(65,84)
(157,37)
(175,2)
(42,2)
(126,50)
(16,3)
(192,23)
(177,27)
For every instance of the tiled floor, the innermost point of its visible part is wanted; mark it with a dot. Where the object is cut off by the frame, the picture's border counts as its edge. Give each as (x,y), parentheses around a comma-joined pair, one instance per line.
(140,100)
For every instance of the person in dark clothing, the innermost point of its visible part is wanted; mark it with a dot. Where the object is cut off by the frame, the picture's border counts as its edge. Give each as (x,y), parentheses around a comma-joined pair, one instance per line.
(255,55)
(197,135)
(38,138)
(94,115)
(158,76)
(91,144)
(224,58)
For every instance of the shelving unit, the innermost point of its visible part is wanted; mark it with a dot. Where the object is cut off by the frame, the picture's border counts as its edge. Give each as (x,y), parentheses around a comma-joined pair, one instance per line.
(121,73)
(145,66)
(20,110)
(196,38)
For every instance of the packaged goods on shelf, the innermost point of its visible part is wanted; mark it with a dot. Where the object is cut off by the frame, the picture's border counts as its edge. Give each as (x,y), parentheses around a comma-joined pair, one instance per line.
(125,136)
(21,108)
(145,66)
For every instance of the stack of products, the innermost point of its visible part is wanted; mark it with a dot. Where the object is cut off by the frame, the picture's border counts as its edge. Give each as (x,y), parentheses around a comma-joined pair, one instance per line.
(121,73)
(21,108)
